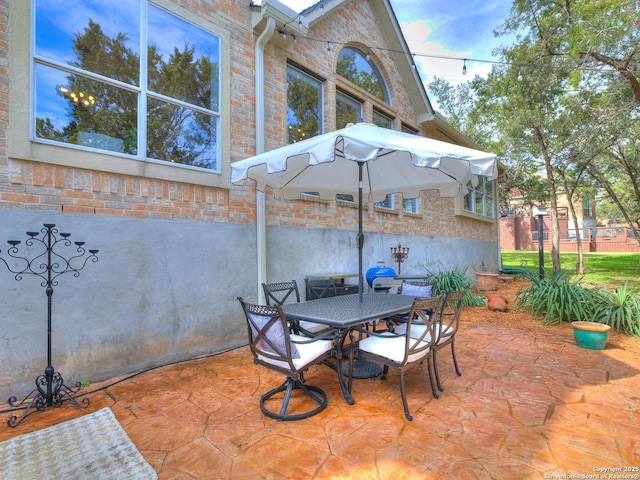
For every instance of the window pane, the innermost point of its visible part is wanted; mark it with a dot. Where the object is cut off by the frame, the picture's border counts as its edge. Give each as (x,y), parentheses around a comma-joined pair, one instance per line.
(488,186)
(382,120)
(348,110)
(73,109)
(183,60)
(478,204)
(304,106)
(354,66)
(488,206)
(181,135)
(92,35)
(386,203)
(410,205)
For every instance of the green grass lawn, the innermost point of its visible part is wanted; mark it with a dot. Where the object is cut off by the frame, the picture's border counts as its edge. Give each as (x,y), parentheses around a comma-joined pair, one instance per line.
(603,269)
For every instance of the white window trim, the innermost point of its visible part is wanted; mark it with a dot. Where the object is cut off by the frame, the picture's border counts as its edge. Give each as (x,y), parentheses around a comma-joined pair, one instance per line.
(22,147)
(461,212)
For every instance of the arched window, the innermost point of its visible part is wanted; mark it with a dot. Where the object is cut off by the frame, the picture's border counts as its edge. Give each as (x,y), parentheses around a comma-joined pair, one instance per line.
(354,66)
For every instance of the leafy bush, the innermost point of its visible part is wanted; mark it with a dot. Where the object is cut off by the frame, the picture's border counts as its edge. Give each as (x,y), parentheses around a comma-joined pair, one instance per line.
(456,280)
(619,309)
(557,299)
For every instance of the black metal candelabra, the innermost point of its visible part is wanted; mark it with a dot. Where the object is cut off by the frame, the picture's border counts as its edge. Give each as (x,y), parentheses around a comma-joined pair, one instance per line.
(399,254)
(47,262)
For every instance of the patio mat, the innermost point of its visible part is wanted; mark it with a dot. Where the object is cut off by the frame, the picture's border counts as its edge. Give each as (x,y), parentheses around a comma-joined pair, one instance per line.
(90,447)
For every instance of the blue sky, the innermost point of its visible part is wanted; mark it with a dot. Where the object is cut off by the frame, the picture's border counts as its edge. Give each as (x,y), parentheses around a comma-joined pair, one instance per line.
(449,28)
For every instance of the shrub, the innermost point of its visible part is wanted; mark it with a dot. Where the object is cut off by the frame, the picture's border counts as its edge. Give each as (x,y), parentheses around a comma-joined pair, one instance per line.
(455,280)
(619,309)
(557,299)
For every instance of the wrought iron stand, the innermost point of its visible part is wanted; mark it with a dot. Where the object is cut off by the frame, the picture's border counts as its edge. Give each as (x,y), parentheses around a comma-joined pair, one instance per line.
(48,262)
(399,254)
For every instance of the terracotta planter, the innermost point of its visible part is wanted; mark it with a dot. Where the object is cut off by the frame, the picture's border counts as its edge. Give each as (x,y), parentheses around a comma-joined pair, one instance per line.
(487,281)
(497,303)
(591,335)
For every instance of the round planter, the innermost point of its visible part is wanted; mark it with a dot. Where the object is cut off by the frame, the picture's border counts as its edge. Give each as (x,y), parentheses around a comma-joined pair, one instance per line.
(487,281)
(592,335)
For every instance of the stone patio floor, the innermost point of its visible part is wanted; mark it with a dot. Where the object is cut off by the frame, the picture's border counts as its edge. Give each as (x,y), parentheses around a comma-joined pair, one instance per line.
(527,406)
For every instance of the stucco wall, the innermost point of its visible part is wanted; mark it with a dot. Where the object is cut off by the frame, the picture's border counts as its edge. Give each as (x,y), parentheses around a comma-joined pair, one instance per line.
(160,291)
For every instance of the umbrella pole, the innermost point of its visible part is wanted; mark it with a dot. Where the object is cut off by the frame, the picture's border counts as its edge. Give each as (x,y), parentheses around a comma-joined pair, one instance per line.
(360,233)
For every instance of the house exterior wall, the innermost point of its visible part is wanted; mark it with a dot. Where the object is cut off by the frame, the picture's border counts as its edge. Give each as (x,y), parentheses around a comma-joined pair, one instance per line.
(175,253)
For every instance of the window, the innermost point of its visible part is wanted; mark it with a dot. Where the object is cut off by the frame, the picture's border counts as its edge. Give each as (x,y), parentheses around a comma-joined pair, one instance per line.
(381,120)
(304,105)
(355,66)
(95,88)
(387,203)
(411,205)
(348,110)
(479,199)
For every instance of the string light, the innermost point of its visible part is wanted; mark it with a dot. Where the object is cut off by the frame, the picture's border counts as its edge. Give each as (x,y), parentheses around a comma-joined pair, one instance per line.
(446,57)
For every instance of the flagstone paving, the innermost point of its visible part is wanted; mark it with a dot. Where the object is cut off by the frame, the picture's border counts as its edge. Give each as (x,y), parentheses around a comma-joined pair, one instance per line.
(527,406)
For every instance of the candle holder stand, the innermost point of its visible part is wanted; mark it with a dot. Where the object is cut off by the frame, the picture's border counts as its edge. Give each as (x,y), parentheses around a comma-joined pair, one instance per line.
(399,254)
(47,262)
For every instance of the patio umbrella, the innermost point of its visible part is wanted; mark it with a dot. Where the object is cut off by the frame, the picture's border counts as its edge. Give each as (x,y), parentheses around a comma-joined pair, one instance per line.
(384,162)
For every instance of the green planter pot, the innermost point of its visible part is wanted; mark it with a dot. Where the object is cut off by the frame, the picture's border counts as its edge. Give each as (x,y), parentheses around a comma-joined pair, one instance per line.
(592,335)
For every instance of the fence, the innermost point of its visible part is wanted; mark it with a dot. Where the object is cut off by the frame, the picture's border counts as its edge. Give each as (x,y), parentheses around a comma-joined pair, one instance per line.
(521,233)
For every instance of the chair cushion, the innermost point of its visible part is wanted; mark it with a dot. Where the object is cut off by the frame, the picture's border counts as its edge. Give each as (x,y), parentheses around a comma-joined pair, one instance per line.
(308,352)
(390,346)
(275,334)
(312,326)
(416,290)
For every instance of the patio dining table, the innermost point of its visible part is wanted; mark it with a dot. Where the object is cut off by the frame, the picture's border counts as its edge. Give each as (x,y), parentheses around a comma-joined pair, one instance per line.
(343,314)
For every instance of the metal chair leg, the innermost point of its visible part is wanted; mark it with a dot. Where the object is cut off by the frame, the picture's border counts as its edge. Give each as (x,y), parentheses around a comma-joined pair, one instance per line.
(455,362)
(315,393)
(404,398)
(430,368)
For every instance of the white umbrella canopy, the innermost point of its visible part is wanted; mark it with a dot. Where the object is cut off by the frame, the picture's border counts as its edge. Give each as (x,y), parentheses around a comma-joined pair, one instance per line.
(394,162)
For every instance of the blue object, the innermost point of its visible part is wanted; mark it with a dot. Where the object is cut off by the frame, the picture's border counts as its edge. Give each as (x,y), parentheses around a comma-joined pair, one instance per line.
(379,271)
(591,335)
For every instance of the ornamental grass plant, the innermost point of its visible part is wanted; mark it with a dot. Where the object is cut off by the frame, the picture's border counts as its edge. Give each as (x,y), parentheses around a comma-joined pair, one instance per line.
(620,309)
(559,298)
(455,280)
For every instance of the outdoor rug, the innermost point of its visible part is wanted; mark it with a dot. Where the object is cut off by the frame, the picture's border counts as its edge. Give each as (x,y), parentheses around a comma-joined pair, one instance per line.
(90,447)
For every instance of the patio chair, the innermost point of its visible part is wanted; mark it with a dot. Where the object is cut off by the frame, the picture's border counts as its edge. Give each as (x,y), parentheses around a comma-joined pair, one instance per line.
(275,348)
(401,351)
(446,326)
(320,288)
(281,292)
(449,323)
(416,288)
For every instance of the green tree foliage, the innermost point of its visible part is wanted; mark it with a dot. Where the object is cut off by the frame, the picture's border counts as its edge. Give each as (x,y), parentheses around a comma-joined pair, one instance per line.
(564,100)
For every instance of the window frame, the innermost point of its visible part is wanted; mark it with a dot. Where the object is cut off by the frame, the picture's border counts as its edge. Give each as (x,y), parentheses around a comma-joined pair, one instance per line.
(26,147)
(305,73)
(348,97)
(461,210)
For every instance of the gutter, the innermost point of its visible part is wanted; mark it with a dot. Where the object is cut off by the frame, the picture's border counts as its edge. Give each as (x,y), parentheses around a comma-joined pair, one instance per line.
(261,220)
